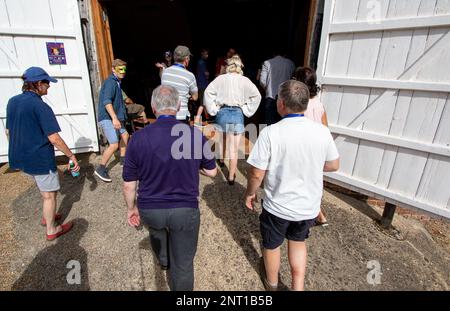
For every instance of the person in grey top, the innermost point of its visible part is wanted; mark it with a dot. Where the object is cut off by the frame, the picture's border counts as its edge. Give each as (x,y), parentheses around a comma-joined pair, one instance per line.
(182,80)
(275,71)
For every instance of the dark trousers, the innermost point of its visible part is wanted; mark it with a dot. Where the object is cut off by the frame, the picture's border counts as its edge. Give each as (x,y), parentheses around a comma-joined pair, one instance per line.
(173,238)
(270,111)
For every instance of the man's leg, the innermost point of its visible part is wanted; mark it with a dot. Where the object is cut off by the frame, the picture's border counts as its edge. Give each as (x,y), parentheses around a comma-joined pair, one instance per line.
(49,211)
(272,261)
(297,254)
(124,143)
(113,139)
(184,225)
(158,242)
(156,220)
(108,153)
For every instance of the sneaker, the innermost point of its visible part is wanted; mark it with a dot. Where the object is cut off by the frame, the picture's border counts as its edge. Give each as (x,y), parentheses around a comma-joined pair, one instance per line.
(102,173)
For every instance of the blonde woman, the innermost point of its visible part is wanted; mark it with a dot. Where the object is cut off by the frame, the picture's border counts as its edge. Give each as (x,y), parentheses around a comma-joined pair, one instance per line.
(230,97)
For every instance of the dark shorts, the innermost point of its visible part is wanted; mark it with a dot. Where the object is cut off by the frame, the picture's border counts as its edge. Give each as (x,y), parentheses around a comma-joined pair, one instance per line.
(274,230)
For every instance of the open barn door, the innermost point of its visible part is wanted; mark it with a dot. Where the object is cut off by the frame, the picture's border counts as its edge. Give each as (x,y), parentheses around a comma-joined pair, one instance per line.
(47,33)
(384,66)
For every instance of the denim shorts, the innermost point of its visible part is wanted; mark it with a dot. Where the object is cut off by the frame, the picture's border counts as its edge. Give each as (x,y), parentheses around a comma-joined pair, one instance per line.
(230,120)
(274,230)
(112,135)
(48,182)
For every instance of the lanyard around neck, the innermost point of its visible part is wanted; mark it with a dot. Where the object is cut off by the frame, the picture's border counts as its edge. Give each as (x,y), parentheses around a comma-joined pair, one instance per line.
(294,115)
(166,117)
(179,65)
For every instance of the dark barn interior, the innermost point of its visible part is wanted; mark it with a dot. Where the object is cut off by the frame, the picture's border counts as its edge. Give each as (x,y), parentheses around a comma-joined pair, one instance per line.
(142,30)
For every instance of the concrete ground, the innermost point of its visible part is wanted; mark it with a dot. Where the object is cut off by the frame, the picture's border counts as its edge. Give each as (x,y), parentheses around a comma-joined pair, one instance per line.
(114,256)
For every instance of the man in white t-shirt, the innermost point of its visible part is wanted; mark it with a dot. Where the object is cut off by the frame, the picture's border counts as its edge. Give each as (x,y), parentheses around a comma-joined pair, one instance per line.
(291,156)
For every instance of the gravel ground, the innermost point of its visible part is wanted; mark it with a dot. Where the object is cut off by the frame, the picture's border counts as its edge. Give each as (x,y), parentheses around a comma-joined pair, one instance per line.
(114,256)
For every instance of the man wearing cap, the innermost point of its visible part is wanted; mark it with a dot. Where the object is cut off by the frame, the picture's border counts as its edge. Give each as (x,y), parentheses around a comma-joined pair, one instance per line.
(32,130)
(182,80)
(112,115)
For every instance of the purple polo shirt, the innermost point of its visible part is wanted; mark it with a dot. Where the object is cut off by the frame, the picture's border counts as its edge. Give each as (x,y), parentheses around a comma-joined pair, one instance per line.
(165,157)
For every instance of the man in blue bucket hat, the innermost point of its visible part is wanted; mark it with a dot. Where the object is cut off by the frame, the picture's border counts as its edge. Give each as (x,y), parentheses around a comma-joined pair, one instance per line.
(32,131)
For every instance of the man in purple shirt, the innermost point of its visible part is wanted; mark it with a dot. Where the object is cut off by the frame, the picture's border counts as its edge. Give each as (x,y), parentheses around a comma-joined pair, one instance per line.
(166,158)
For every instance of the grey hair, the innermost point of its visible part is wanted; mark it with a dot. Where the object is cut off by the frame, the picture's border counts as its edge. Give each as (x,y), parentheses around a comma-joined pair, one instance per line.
(165,97)
(295,95)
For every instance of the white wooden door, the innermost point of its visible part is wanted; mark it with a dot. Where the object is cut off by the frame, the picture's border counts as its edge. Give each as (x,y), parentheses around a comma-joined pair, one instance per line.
(25,28)
(385,70)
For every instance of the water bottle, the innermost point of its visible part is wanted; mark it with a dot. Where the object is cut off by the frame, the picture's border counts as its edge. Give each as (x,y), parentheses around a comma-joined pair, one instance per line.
(72,165)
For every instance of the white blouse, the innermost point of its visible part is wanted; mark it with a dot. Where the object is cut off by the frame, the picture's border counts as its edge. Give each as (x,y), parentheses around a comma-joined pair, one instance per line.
(233,90)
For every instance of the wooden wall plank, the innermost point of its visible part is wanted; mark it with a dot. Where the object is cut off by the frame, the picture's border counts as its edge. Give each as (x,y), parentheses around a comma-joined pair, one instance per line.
(345,10)
(435,190)
(340,47)
(443,132)
(4,19)
(29,14)
(442,7)
(403,8)
(332,99)
(5,63)
(366,10)
(63,14)
(427,7)
(365,46)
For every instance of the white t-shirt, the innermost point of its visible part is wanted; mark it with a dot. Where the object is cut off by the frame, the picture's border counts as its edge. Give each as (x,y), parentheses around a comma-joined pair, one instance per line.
(293,152)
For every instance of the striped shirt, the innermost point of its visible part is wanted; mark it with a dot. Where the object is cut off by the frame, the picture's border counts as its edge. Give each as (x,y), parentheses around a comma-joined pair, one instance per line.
(184,82)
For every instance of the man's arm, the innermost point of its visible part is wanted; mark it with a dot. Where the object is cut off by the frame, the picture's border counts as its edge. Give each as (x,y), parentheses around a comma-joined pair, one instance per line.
(264,75)
(112,114)
(255,179)
(332,166)
(194,96)
(61,145)
(209,173)
(129,193)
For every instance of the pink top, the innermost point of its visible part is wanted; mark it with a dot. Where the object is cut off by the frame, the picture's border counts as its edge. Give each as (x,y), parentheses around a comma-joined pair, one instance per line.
(315,110)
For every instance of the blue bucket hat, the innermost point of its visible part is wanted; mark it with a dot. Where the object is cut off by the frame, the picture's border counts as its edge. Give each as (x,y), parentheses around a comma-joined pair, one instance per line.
(35,74)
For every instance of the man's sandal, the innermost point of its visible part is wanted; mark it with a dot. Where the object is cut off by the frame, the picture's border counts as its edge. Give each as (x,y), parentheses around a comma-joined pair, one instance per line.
(64,229)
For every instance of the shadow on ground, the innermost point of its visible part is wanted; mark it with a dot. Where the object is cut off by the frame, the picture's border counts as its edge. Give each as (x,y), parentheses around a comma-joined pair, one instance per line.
(54,268)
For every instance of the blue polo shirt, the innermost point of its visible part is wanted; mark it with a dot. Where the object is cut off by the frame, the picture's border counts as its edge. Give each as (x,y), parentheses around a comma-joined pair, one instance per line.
(167,181)
(111,93)
(30,121)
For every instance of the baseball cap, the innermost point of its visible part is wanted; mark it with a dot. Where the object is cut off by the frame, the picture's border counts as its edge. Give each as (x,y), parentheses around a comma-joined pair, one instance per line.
(182,51)
(35,74)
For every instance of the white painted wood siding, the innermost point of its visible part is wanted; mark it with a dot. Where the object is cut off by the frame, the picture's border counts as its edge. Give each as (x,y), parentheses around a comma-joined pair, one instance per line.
(385,71)
(25,27)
